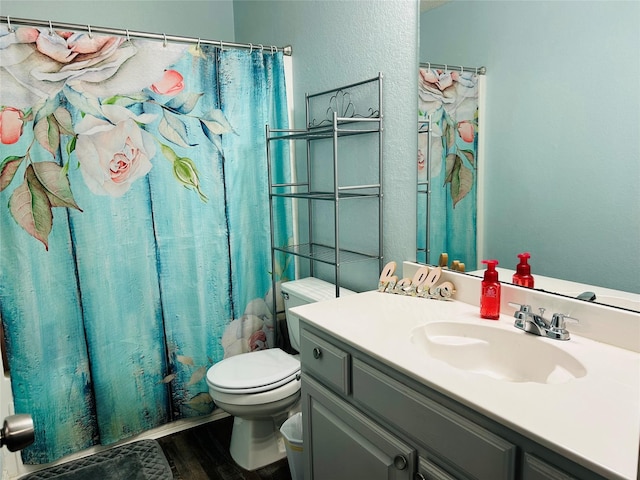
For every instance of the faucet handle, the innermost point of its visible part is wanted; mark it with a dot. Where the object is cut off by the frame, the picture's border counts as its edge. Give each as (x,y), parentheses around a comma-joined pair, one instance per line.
(523,308)
(557,328)
(559,319)
(521,314)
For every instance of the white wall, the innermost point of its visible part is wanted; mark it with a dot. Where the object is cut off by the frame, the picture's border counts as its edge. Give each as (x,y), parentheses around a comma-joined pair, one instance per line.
(562,130)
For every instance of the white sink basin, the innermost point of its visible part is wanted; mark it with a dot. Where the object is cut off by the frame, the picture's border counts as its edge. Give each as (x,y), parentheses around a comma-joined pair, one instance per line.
(512,356)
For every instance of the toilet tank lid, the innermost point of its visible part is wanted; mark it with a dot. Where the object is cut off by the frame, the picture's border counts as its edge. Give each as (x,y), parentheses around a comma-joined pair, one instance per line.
(313,289)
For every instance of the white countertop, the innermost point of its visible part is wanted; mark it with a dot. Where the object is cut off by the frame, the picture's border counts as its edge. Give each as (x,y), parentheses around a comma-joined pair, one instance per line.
(593,420)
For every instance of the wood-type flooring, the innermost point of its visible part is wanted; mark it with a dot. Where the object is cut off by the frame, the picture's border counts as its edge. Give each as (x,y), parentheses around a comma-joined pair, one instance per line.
(202,453)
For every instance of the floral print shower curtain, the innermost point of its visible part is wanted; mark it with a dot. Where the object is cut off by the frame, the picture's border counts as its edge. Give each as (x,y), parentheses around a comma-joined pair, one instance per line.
(134,227)
(451,99)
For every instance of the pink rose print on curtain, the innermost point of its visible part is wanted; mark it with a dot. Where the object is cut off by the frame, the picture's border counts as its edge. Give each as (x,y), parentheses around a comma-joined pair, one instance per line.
(11,122)
(172,83)
(467,131)
(114,154)
(37,62)
(80,92)
(252,331)
(421,160)
(450,99)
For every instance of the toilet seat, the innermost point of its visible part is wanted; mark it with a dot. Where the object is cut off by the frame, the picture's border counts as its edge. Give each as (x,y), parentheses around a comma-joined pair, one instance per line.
(253,372)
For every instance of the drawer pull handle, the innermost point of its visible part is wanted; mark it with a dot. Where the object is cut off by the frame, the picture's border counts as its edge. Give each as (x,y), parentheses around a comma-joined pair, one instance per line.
(400,462)
(317,353)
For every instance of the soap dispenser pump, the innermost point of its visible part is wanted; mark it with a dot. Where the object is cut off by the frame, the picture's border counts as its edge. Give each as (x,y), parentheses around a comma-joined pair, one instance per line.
(490,296)
(523,275)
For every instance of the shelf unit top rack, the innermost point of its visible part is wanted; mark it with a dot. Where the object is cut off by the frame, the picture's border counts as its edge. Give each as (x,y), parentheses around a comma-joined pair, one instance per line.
(350,110)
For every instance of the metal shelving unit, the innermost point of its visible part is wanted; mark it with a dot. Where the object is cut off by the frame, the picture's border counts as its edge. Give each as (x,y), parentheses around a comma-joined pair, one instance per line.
(332,116)
(424,194)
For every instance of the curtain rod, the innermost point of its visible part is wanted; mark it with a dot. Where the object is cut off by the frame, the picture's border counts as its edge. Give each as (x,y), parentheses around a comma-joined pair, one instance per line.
(457,68)
(287,50)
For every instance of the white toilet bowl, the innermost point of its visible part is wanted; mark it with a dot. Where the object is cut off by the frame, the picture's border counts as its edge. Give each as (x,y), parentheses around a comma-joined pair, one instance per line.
(260,389)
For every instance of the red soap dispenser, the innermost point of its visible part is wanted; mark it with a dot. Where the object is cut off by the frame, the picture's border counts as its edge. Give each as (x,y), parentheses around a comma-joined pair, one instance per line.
(523,276)
(490,296)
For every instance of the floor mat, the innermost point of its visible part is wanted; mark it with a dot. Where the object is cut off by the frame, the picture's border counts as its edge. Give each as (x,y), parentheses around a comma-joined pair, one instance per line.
(142,460)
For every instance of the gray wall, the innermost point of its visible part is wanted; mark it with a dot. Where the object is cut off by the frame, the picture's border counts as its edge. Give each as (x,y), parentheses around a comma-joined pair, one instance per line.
(562,130)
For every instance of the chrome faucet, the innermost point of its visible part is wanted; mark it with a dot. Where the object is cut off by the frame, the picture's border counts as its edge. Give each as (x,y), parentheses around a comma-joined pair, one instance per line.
(537,325)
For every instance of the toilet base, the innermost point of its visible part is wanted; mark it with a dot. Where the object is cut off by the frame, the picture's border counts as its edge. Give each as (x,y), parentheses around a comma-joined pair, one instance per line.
(256,443)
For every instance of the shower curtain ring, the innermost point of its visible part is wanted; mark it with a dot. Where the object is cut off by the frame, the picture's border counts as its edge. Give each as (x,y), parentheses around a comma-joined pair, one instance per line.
(198,44)
(429,66)
(89,29)
(446,69)
(251,49)
(261,48)
(9,24)
(128,37)
(50,29)
(221,46)
(461,69)
(164,42)
(272,50)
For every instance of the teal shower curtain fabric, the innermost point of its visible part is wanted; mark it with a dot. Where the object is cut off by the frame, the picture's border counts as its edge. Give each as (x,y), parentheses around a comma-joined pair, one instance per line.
(134,227)
(451,98)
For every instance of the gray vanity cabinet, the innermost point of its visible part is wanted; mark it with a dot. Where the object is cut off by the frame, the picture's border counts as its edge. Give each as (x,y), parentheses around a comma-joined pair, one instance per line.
(364,420)
(472,449)
(347,445)
(351,415)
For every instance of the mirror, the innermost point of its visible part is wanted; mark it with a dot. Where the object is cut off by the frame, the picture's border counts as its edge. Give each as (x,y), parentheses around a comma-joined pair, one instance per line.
(562,136)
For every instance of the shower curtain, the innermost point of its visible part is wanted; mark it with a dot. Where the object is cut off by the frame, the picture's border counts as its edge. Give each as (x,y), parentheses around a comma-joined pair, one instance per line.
(451,98)
(134,223)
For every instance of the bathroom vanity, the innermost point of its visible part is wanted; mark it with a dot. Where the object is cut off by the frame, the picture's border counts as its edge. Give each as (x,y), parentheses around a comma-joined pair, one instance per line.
(392,387)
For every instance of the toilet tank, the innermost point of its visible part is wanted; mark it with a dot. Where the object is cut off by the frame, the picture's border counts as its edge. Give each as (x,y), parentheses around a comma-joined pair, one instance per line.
(301,292)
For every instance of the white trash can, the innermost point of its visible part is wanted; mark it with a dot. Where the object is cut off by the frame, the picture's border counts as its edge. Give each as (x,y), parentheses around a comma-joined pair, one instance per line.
(292,432)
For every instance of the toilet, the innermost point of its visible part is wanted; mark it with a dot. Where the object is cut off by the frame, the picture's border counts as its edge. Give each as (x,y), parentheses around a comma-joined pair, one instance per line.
(260,389)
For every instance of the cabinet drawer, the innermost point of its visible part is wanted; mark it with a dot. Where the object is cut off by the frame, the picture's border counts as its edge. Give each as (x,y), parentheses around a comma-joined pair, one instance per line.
(430,471)
(324,361)
(536,469)
(470,447)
